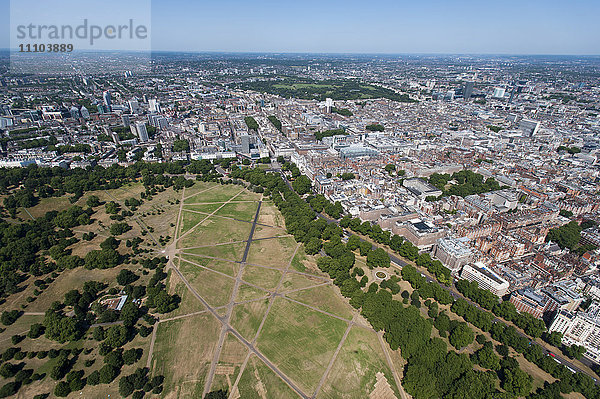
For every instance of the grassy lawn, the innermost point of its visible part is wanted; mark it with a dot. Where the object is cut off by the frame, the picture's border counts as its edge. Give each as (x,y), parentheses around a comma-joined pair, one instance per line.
(189,303)
(246,317)
(216,231)
(265,278)
(306,263)
(197,188)
(300,341)
(325,298)
(293,281)
(239,210)
(268,232)
(228,268)
(247,292)
(189,220)
(275,253)
(183,351)
(216,194)
(353,372)
(214,288)
(247,196)
(259,382)
(204,208)
(225,251)
(270,215)
(230,362)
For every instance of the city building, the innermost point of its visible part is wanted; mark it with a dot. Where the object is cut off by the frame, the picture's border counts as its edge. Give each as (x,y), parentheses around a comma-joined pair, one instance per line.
(580,328)
(452,253)
(529,127)
(107,98)
(486,278)
(421,188)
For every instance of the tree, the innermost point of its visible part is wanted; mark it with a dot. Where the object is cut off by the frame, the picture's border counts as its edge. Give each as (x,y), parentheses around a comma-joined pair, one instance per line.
(461,336)
(9,389)
(94,378)
(220,394)
(8,370)
(112,207)
(302,185)
(116,336)
(117,229)
(9,317)
(486,357)
(110,243)
(516,381)
(313,246)
(125,387)
(36,330)
(126,277)
(108,373)
(132,355)
(378,258)
(93,201)
(566,236)
(376,127)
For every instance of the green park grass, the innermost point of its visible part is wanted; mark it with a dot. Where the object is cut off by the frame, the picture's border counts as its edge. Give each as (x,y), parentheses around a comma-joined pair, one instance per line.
(246,317)
(216,230)
(247,293)
(228,268)
(300,341)
(217,194)
(276,252)
(214,288)
(270,215)
(198,187)
(230,363)
(325,298)
(184,349)
(233,252)
(263,277)
(204,208)
(239,210)
(362,358)
(258,382)
(247,195)
(189,220)
(293,281)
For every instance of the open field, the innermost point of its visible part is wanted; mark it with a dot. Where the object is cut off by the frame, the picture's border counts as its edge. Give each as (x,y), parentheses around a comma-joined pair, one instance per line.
(323,297)
(276,252)
(183,351)
(239,210)
(300,352)
(216,230)
(259,382)
(231,252)
(215,288)
(361,357)
(248,316)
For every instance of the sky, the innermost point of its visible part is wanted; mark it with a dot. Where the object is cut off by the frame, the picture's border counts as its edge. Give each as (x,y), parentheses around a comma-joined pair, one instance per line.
(367,26)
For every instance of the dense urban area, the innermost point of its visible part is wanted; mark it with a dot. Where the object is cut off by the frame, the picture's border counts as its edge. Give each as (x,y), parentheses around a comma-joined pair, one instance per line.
(275,226)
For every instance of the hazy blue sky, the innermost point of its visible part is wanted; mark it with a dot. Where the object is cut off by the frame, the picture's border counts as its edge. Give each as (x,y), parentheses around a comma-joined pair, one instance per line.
(375,26)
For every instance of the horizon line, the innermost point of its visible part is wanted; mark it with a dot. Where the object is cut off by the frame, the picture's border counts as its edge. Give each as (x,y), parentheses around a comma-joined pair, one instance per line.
(270,52)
